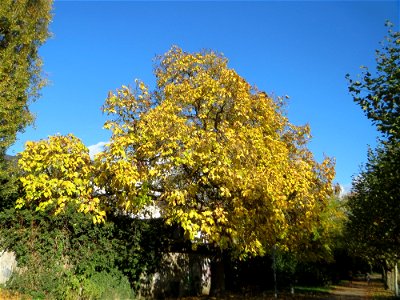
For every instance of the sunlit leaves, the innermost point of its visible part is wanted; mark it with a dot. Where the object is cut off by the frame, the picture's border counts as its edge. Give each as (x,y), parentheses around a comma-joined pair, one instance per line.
(378,93)
(58,171)
(23,29)
(219,156)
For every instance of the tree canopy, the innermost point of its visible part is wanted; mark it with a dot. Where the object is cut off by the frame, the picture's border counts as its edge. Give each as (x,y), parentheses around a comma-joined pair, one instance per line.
(374,201)
(23,29)
(378,93)
(374,206)
(56,172)
(219,156)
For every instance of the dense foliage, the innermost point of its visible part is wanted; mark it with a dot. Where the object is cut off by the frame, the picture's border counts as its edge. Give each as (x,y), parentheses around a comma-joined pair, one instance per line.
(55,172)
(67,256)
(220,156)
(374,202)
(23,29)
(374,206)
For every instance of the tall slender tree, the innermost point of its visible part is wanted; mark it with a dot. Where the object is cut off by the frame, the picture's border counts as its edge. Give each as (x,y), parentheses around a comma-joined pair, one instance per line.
(375,200)
(23,29)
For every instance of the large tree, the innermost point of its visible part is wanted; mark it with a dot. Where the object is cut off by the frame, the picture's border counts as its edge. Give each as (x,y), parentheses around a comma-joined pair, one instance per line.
(23,29)
(219,156)
(374,203)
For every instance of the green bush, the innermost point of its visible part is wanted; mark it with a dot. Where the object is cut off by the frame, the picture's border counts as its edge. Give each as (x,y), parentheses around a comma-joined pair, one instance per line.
(68,257)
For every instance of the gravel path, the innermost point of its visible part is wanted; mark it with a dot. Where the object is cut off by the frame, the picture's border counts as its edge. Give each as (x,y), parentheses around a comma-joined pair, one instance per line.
(356,290)
(361,290)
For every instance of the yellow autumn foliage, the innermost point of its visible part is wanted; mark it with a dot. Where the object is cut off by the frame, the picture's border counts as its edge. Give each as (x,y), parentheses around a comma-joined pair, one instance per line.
(219,156)
(56,172)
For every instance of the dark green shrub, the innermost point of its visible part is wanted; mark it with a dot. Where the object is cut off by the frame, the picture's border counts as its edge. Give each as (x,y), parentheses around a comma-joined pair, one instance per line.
(68,257)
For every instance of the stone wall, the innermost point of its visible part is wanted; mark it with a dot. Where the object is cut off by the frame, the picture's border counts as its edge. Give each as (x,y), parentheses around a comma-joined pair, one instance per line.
(8,264)
(179,275)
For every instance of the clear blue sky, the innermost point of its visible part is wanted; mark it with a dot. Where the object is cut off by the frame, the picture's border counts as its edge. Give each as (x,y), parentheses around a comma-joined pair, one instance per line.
(298,48)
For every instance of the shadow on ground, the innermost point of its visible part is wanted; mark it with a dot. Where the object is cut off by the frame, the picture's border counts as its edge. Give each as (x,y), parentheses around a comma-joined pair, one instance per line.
(355,290)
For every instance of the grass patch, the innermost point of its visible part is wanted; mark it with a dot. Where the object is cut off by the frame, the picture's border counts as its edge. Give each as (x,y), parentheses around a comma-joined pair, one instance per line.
(11,295)
(312,289)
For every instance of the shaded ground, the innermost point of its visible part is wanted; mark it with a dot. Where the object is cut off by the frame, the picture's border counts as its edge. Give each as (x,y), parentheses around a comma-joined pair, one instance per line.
(356,290)
(360,290)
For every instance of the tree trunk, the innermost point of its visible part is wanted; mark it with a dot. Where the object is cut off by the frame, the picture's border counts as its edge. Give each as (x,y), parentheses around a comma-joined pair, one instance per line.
(396,286)
(384,277)
(274,270)
(217,275)
(385,274)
